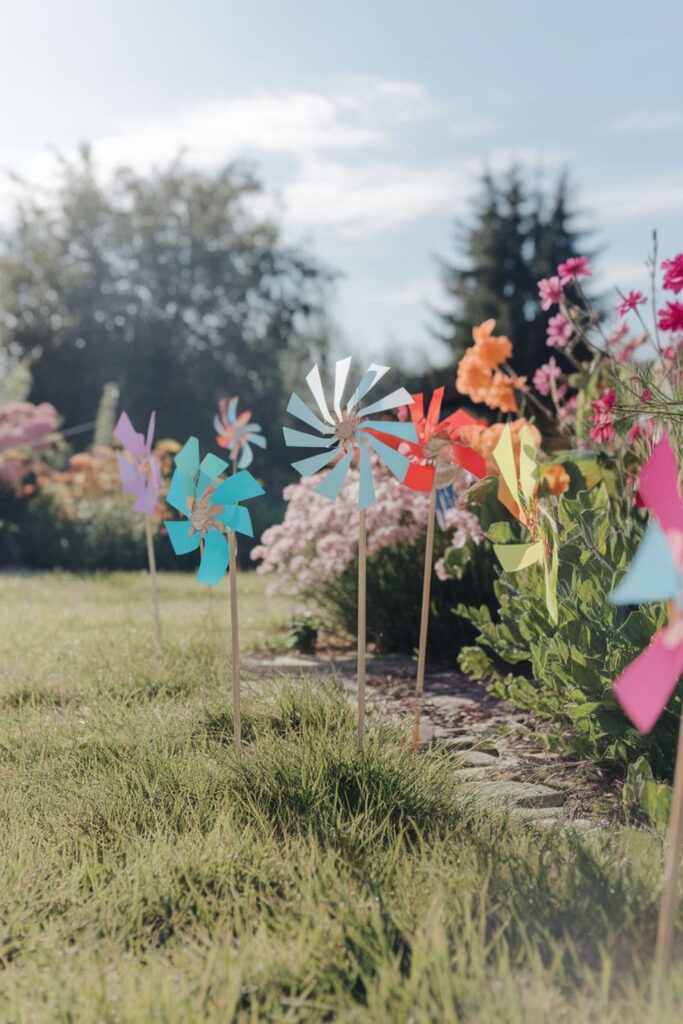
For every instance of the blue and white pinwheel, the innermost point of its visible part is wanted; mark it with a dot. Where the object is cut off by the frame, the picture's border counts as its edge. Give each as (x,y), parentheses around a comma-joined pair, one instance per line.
(237,432)
(210,503)
(346,431)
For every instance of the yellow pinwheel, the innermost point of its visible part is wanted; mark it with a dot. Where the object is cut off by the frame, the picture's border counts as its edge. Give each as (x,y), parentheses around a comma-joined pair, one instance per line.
(518,491)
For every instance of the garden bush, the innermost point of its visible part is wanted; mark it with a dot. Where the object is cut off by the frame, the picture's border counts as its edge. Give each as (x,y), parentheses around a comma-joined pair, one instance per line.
(312,555)
(564,674)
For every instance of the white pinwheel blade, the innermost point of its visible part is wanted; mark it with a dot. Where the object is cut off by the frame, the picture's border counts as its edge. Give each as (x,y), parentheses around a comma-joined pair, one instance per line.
(298,408)
(374,373)
(392,401)
(316,386)
(341,374)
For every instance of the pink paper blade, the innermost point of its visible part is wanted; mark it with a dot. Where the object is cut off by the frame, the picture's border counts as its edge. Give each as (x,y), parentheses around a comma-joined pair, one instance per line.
(643,689)
(658,486)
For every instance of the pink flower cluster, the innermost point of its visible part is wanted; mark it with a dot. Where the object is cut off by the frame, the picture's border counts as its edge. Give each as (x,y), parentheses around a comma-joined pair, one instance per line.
(551,293)
(318,538)
(670,318)
(602,418)
(24,428)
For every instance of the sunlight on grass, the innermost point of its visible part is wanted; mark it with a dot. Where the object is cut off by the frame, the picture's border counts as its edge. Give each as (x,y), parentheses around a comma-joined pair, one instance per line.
(149,873)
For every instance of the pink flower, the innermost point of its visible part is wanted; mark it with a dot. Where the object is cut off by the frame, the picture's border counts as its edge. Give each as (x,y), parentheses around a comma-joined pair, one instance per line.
(673,273)
(671,317)
(567,412)
(602,418)
(545,375)
(550,291)
(630,302)
(575,266)
(559,331)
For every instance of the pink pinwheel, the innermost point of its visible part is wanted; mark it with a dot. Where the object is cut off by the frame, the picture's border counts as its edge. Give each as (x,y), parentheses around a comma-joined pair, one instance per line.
(643,689)
(140,469)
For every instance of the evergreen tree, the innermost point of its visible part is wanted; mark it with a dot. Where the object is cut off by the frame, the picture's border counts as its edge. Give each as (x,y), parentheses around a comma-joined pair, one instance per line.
(518,235)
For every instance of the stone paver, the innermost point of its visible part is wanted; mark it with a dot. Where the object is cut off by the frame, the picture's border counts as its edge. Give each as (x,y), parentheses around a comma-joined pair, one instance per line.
(496,748)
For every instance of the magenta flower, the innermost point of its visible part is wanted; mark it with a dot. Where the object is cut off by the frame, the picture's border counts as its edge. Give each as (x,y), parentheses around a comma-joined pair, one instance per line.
(630,302)
(559,331)
(574,267)
(671,317)
(550,291)
(602,418)
(545,375)
(673,273)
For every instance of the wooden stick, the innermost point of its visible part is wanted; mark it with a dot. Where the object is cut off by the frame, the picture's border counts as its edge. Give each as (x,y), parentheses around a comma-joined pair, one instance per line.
(674,847)
(424,618)
(362,588)
(152,562)
(234,629)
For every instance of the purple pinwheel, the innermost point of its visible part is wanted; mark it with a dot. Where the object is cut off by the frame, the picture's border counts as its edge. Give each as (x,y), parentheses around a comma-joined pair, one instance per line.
(140,469)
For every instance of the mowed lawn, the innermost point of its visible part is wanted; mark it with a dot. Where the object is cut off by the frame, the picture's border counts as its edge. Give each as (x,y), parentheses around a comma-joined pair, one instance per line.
(150,873)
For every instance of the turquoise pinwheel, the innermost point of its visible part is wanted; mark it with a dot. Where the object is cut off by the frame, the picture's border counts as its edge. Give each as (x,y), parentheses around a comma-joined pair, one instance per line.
(209,502)
(346,431)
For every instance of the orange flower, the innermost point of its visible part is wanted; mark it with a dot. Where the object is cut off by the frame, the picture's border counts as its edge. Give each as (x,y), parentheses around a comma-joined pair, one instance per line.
(556,478)
(476,377)
(473,379)
(485,439)
(491,351)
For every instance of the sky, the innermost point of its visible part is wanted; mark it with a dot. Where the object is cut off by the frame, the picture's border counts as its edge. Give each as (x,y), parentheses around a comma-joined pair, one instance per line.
(368,122)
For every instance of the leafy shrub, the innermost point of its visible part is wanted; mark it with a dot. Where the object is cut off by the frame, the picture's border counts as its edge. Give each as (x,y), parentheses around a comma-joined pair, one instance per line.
(313,554)
(394,595)
(564,673)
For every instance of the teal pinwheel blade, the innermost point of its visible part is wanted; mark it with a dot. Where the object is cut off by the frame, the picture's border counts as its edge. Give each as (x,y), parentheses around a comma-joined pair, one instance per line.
(374,373)
(298,408)
(239,487)
(182,487)
(307,467)
(187,458)
(393,460)
(652,575)
(404,431)
(366,487)
(334,481)
(214,561)
(300,439)
(212,466)
(183,539)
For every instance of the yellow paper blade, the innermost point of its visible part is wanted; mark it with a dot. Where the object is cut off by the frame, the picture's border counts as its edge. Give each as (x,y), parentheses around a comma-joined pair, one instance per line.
(528,467)
(518,556)
(504,456)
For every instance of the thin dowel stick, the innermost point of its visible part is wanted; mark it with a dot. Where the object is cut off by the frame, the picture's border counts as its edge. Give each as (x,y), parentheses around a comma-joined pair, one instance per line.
(234,630)
(424,618)
(674,847)
(151,559)
(362,586)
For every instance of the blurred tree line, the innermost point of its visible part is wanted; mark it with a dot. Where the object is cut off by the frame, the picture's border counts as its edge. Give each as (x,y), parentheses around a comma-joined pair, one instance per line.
(173,288)
(170,287)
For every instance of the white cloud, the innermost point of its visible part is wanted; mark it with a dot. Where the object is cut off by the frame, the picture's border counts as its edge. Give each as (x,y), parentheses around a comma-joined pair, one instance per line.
(362,199)
(647,121)
(648,198)
(415,293)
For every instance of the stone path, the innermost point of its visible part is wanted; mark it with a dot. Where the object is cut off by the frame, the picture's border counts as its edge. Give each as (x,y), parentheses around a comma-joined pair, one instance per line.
(498,750)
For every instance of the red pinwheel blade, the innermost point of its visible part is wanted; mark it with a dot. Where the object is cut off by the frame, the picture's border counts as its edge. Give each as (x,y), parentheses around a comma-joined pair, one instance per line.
(471,460)
(643,689)
(419,477)
(434,409)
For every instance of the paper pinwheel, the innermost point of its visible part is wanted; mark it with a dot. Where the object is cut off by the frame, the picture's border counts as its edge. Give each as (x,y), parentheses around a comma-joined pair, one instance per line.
(210,504)
(517,490)
(237,433)
(346,431)
(437,453)
(655,574)
(139,468)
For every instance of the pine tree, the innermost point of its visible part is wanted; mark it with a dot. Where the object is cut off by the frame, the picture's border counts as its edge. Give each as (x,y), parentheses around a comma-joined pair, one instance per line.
(518,235)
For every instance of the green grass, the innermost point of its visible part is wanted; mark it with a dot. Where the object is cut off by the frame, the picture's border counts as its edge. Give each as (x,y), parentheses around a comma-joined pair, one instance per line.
(150,874)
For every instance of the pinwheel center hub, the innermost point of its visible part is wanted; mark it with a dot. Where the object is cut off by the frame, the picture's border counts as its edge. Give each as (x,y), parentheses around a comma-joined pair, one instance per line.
(432,448)
(345,428)
(202,516)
